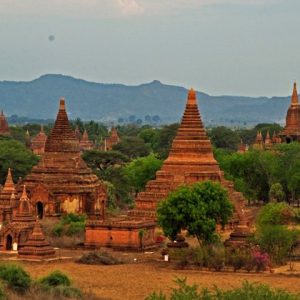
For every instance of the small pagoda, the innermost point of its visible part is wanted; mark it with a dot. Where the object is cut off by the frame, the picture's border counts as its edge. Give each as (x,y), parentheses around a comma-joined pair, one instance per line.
(38,143)
(62,182)
(4,128)
(36,246)
(291,130)
(112,140)
(85,143)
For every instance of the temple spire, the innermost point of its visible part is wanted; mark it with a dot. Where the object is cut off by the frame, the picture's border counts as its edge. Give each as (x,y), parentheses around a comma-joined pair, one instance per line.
(9,185)
(192,98)
(295,100)
(62,104)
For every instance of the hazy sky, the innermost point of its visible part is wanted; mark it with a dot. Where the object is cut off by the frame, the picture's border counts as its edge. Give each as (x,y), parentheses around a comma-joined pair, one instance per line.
(238,47)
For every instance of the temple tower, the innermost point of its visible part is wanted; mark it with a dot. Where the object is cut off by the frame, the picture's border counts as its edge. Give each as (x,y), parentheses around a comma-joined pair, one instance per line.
(291,131)
(4,128)
(62,182)
(85,143)
(113,139)
(38,143)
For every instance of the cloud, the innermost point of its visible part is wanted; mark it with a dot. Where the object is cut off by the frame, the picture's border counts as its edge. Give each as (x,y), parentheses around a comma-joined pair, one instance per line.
(108,8)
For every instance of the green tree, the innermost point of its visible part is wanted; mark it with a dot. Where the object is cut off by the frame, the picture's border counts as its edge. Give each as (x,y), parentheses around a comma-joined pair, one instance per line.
(132,147)
(276,192)
(14,155)
(223,137)
(197,209)
(141,170)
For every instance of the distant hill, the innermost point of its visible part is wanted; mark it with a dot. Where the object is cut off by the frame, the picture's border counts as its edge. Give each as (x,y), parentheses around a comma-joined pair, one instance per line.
(107,102)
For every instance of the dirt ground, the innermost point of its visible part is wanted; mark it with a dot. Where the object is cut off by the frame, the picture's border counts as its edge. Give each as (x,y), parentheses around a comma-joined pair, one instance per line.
(136,280)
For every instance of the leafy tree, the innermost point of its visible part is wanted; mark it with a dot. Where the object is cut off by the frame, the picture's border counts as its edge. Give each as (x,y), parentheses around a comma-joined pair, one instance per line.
(141,170)
(132,147)
(276,192)
(197,209)
(14,155)
(223,137)
(150,136)
(100,161)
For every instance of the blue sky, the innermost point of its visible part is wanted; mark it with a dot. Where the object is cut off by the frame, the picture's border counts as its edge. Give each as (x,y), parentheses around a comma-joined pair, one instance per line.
(236,47)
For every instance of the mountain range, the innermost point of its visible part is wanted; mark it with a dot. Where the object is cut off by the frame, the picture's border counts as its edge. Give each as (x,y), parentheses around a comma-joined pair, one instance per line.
(39,99)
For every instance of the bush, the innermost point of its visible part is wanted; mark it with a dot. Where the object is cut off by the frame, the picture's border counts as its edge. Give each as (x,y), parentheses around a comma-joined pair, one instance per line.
(238,259)
(275,214)
(216,258)
(69,218)
(58,284)
(56,278)
(98,258)
(277,241)
(248,291)
(57,229)
(16,278)
(74,228)
(2,293)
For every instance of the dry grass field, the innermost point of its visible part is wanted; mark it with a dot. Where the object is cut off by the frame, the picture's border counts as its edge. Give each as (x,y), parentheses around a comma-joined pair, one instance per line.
(135,280)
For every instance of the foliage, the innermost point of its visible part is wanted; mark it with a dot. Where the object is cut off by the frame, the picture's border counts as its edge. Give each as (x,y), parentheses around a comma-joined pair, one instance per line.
(276,192)
(275,214)
(55,278)
(248,291)
(70,224)
(141,170)
(196,208)
(14,155)
(98,258)
(277,241)
(58,284)
(223,137)
(132,147)
(16,278)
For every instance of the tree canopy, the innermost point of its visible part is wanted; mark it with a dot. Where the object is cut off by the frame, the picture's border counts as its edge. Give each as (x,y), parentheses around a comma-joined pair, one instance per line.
(196,208)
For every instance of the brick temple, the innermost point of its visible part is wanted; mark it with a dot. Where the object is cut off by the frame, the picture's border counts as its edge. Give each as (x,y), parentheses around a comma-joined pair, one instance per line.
(111,140)
(4,128)
(190,160)
(291,130)
(62,182)
(38,143)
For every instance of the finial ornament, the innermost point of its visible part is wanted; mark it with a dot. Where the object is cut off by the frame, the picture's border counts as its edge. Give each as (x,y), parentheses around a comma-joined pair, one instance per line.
(62,105)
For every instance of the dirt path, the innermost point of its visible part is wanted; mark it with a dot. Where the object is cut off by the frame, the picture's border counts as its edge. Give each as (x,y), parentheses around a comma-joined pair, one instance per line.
(136,281)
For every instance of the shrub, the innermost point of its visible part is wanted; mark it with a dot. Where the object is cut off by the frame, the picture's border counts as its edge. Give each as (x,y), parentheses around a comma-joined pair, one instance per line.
(181,256)
(16,278)
(248,291)
(98,258)
(275,214)
(69,218)
(75,228)
(216,258)
(277,241)
(57,229)
(56,278)
(2,293)
(238,259)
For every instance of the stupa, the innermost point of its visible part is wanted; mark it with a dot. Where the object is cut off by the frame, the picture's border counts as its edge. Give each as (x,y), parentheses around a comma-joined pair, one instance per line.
(62,182)
(259,141)
(190,160)
(38,143)
(4,128)
(85,143)
(268,141)
(113,139)
(291,131)
(36,246)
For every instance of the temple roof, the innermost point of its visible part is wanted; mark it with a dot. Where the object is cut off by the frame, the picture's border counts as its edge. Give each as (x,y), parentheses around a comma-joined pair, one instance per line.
(24,212)
(294,99)
(36,245)
(62,137)
(191,143)
(39,140)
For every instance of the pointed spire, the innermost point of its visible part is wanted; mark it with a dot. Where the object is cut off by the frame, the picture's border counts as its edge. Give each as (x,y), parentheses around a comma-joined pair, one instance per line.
(295,100)
(62,137)
(24,212)
(9,185)
(85,136)
(192,98)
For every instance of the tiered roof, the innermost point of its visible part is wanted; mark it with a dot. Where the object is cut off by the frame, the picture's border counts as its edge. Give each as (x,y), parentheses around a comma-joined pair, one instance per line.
(39,141)
(113,139)
(190,160)
(61,169)
(36,246)
(85,143)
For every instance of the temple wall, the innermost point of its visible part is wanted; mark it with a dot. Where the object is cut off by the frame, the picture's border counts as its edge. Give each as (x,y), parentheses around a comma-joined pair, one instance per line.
(124,237)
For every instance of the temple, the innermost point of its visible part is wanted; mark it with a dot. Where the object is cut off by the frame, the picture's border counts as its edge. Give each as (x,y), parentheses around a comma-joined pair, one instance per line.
(38,143)
(190,160)
(85,143)
(62,182)
(4,128)
(113,139)
(36,246)
(291,131)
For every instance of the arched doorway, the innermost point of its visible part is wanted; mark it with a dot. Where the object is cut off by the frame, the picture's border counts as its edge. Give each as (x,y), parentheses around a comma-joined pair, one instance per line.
(288,139)
(9,241)
(40,209)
